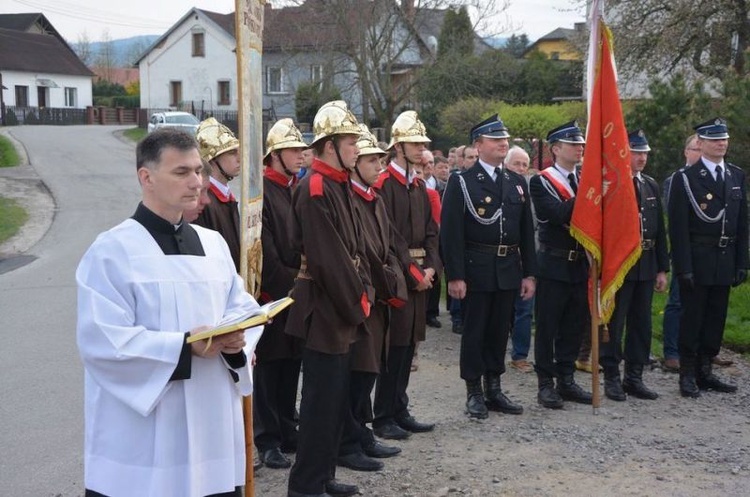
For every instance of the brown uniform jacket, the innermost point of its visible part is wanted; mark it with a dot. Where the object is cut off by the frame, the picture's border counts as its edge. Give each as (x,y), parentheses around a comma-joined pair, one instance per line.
(413,228)
(223,215)
(387,279)
(278,278)
(333,293)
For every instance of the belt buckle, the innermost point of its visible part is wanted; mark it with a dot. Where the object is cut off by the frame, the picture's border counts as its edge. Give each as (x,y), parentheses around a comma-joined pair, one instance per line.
(647,244)
(502,250)
(723,241)
(572,256)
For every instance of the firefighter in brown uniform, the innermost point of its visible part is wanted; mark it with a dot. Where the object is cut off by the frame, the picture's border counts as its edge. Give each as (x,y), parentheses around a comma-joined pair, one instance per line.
(359,445)
(278,355)
(332,295)
(220,148)
(416,244)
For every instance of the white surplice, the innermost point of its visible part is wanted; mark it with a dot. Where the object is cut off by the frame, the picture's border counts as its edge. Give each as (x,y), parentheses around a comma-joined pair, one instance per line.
(146,435)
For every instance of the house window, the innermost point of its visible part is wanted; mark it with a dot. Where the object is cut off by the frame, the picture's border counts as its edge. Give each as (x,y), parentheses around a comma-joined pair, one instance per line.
(199,44)
(224,97)
(316,73)
(175,93)
(71,97)
(555,56)
(22,96)
(274,80)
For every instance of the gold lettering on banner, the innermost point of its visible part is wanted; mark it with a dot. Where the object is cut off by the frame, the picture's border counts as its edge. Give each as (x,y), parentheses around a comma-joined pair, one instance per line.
(591,194)
(608,128)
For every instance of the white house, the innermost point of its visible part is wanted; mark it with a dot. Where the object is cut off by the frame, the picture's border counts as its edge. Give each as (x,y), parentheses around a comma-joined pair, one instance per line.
(38,68)
(194,63)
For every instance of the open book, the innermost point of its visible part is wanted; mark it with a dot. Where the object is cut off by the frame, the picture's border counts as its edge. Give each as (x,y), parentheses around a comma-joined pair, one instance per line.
(257,317)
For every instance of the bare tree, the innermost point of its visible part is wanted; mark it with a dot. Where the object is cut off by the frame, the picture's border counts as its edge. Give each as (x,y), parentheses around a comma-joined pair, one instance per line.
(656,36)
(386,44)
(82,48)
(106,59)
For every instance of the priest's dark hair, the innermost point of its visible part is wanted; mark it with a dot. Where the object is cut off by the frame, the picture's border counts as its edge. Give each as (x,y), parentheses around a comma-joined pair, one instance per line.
(148,152)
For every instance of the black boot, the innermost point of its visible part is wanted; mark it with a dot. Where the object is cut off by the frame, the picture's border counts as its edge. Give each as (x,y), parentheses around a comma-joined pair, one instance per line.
(570,390)
(633,383)
(688,387)
(707,380)
(612,384)
(475,406)
(548,396)
(494,397)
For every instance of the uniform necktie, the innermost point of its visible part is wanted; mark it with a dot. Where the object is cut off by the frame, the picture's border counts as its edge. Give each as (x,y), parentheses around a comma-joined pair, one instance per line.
(637,188)
(572,181)
(498,179)
(719,179)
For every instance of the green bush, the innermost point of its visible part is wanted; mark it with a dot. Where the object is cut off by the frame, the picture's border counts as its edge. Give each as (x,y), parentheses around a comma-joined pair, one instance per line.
(129,101)
(8,154)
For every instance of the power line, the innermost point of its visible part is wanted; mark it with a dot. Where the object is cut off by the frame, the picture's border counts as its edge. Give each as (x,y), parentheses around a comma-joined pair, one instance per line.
(74,11)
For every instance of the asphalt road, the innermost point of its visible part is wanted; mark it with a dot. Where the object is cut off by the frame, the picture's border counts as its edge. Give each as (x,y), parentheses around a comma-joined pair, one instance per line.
(91,174)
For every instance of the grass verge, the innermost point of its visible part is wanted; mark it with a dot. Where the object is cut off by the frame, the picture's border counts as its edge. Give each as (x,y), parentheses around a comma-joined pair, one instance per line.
(135,134)
(8,154)
(12,217)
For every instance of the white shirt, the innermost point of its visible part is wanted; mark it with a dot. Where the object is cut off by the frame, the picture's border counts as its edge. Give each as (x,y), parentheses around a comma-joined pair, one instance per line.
(491,170)
(221,186)
(402,171)
(144,434)
(711,166)
(431,182)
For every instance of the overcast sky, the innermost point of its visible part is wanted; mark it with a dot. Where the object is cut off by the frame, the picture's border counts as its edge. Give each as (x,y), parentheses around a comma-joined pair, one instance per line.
(142,17)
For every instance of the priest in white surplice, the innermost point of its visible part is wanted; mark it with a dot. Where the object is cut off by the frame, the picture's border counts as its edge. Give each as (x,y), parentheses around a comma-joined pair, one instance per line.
(163,417)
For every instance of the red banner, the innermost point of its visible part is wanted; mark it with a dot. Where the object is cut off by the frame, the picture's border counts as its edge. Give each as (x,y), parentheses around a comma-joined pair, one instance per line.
(605,216)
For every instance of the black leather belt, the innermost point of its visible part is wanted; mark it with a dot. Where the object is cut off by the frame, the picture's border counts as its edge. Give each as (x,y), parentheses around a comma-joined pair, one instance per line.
(712,241)
(498,250)
(648,244)
(570,255)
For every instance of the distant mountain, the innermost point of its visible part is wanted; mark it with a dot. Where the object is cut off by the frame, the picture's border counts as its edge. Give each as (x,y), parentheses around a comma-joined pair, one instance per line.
(496,41)
(116,53)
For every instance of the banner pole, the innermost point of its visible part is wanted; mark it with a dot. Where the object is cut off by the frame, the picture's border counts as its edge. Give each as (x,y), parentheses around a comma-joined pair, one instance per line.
(594,311)
(249,37)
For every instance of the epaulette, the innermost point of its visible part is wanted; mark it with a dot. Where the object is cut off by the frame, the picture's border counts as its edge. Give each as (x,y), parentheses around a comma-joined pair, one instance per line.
(381,179)
(316,185)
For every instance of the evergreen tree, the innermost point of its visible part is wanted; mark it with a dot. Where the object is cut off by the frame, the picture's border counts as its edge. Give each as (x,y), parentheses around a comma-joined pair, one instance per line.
(457,34)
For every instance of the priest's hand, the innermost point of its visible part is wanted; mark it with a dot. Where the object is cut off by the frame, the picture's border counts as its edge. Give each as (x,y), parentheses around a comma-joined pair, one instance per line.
(231,343)
(457,289)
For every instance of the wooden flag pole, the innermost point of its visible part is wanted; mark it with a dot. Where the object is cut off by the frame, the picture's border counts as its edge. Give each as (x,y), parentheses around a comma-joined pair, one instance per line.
(249,36)
(594,311)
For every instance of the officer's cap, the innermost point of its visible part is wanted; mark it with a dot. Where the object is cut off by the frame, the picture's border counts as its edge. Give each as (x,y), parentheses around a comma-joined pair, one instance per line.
(567,133)
(713,129)
(638,142)
(491,127)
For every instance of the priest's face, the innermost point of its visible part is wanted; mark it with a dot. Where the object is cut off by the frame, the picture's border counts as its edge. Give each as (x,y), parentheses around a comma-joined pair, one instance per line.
(173,185)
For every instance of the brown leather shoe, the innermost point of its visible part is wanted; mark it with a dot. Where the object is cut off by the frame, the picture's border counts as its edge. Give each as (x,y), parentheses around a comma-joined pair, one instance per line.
(671,365)
(522,365)
(722,362)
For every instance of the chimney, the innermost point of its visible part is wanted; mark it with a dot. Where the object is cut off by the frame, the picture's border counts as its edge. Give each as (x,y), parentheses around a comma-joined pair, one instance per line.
(408,7)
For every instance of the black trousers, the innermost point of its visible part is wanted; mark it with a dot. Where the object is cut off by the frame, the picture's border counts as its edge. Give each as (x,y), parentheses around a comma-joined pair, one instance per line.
(489,318)
(325,394)
(704,313)
(274,401)
(632,310)
(433,298)
(356,433)
(391,399)
(562,317)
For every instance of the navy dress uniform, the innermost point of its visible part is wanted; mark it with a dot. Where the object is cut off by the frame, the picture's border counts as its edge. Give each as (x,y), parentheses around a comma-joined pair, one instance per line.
(487,238)
(708,228)
(561,311)
(633,299)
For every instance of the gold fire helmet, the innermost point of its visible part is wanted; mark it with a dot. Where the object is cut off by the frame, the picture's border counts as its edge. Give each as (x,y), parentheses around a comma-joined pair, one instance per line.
(407,128)
(367,143)
(215,139)
(283,134)
(334,118)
